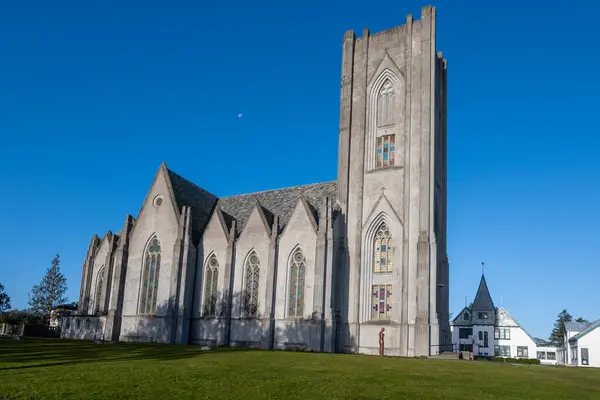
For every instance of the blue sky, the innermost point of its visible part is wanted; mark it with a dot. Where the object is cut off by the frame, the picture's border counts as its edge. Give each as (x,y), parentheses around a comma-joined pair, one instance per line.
(93,97)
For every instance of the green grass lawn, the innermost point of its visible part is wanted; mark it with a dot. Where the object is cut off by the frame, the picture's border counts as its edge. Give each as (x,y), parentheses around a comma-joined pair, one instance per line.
(46,369)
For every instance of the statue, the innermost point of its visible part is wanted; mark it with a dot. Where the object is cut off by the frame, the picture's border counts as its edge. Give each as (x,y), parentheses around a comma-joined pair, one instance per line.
(381,341)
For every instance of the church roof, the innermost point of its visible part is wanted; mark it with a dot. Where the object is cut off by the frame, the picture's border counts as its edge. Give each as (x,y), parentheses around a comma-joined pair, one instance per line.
(483,299)
(200,201)
(280,202)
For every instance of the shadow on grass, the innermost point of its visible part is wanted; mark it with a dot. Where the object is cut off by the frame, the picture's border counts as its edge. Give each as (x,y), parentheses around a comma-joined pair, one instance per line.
(35,352)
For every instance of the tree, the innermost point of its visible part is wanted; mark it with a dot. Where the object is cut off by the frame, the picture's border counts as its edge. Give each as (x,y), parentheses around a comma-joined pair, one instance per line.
(49,292)
(557,336)
(581,320)
(4,300)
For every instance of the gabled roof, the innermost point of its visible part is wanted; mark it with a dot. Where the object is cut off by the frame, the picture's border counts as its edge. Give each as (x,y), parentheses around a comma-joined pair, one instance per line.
(504,310)
(459,315)
(573,326)
(483,299)
(280,202)
(587,330)
(200,201)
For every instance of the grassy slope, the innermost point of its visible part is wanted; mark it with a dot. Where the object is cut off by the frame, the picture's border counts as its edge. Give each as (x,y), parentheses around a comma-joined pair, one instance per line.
(42,368)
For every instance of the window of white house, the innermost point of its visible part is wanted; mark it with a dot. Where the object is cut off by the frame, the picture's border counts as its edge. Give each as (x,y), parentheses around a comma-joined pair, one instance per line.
(502,333)
(541,355)
(522,351)
(551,355)
(464,333)
(585,356)
(466,316)
(502,351)
(485,339)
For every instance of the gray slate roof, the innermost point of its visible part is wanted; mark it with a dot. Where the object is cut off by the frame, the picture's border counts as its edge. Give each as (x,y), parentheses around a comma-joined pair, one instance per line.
(483,299)
(280,202)
(588,329)
(200,201)
(573,326)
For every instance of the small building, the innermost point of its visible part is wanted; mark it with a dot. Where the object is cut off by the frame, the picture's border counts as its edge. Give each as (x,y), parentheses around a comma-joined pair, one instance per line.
(582,344)
(57,312)
(488,331)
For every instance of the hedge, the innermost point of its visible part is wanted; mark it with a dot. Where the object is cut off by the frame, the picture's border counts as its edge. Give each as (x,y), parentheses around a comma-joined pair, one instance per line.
(517,360)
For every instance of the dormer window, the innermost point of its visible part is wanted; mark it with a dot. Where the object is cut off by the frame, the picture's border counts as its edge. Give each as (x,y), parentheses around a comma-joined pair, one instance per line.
(483,315)
(466,316)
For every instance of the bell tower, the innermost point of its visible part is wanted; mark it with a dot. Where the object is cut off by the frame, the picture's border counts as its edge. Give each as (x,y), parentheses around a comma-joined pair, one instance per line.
(392,189)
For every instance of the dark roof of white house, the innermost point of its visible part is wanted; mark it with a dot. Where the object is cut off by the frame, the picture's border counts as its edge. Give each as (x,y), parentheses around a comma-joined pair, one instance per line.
(483,300)
(573,326)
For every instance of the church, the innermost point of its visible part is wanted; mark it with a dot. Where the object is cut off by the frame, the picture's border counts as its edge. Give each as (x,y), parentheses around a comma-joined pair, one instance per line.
(320,267)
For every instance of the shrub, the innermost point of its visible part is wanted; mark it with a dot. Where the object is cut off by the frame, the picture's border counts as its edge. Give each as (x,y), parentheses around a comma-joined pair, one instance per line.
(518,360)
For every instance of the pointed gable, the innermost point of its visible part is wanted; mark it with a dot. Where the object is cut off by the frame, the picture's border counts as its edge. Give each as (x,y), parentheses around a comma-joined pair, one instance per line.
(280,202)
(200,201)
(483,299)
(258,219)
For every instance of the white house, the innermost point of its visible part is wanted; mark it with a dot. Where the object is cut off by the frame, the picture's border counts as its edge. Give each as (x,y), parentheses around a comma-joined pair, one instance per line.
(582,344)
(489,331)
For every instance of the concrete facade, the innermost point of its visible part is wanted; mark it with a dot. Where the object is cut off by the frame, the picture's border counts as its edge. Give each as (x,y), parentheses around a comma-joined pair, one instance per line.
(319,267)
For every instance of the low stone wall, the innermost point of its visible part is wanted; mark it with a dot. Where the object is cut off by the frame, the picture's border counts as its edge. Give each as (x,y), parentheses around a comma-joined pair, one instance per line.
(84,327)
(11,329)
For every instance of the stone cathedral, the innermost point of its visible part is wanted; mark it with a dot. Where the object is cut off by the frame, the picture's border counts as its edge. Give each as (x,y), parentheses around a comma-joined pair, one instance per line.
(321,267)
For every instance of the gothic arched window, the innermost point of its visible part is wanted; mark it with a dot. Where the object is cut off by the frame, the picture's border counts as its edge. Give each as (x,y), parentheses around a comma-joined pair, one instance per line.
(150,278)
(297,279)
(210,287)
(385,104)
(384,252)
(99,283)
(251,287)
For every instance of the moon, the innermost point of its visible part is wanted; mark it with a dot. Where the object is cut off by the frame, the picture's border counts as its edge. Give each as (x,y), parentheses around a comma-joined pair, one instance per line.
(240,115)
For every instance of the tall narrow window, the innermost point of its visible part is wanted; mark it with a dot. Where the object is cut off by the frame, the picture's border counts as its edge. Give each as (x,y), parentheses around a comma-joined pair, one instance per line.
(210,287)
(385,105)
(251,289)
(381,304)
(150,278)
(384,252)
(297,278)
(99,284)
(386,148)
(485,339)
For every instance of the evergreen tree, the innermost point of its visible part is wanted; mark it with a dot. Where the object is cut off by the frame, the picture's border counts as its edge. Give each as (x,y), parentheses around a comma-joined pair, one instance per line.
(49,292)
(581,320)
(4,300)
(557,336)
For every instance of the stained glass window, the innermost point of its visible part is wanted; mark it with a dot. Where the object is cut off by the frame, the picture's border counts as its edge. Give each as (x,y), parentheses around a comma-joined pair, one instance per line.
(150,278)
(251,289)
(384,251)
(297,279)
(381,302)
(385,104)
(99,290)
(210,287)
(386,149)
